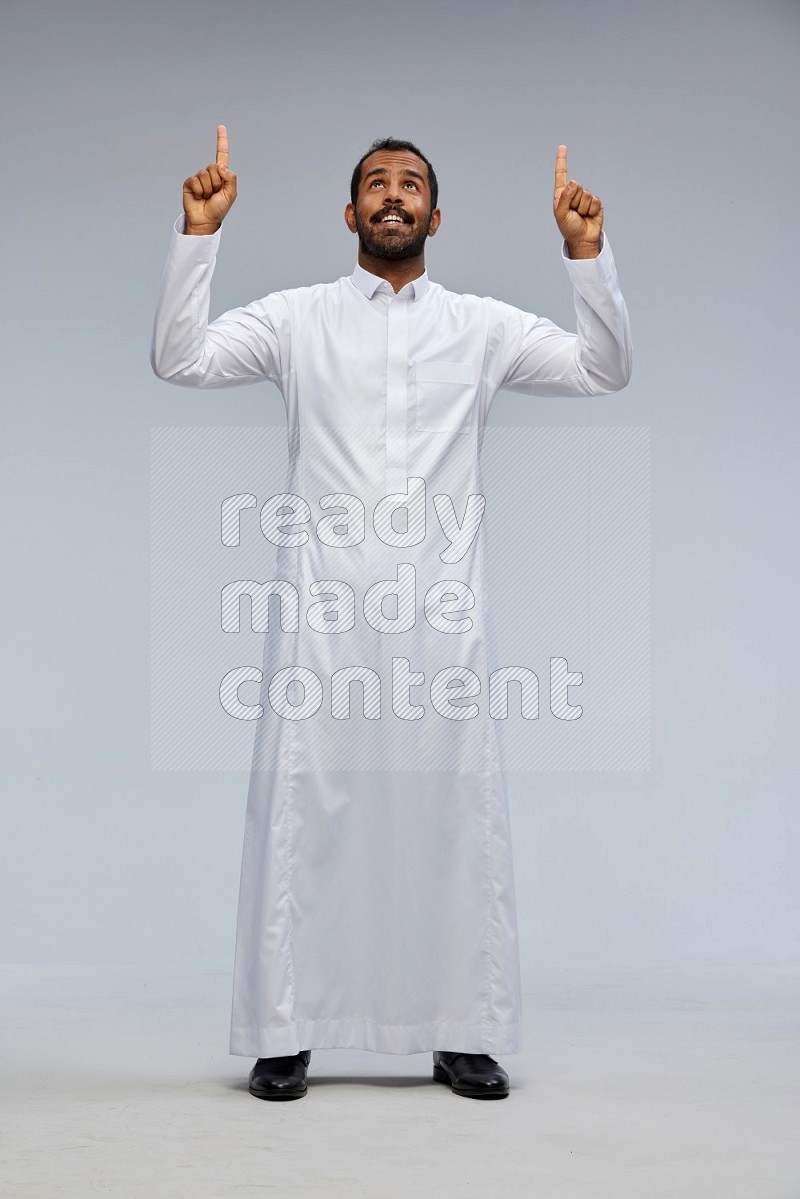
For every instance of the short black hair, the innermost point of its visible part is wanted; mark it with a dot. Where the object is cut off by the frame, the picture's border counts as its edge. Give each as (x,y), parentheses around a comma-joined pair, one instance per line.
(393,143)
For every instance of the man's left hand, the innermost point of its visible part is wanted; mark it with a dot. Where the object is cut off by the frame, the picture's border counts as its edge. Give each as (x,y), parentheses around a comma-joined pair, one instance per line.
(578,213)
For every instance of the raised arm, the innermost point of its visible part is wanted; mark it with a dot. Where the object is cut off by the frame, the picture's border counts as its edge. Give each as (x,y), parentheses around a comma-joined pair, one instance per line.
(537,356)
(244,344)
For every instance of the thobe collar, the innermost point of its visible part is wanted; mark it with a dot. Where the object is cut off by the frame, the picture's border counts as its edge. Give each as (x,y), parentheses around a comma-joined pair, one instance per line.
(368,283)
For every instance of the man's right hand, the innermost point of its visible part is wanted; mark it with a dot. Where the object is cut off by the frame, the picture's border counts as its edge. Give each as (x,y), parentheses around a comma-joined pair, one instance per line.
(208,195)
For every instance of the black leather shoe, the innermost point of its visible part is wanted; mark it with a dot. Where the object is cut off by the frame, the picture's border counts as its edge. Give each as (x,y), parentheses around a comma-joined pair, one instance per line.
(475,1075)
(280,1077)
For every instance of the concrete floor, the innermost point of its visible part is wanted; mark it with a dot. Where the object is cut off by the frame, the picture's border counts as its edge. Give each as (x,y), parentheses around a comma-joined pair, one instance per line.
(650,1086)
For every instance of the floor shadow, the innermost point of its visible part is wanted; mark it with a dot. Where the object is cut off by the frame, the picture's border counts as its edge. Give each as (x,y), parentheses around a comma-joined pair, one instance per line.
(335,1080)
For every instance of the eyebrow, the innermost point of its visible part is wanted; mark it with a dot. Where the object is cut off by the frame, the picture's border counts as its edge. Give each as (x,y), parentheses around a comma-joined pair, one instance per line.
(385,171)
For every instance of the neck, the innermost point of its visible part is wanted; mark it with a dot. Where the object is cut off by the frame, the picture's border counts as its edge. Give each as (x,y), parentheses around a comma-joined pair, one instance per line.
(397,273)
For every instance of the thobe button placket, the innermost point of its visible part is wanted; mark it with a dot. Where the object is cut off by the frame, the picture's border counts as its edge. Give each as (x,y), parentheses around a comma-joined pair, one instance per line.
(397,390)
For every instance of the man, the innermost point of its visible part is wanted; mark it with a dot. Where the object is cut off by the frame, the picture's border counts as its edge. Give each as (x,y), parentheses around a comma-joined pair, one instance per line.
(376,903)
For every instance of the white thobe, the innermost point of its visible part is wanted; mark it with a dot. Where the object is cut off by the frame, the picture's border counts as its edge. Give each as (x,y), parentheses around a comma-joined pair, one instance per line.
(376,899)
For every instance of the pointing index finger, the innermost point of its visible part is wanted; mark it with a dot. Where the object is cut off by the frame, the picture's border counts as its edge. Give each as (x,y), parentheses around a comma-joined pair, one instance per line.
(561,167)
(222,146)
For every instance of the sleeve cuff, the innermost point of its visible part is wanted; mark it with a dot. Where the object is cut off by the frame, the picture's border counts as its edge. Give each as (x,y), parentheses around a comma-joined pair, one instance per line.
(589,273)
(204,244)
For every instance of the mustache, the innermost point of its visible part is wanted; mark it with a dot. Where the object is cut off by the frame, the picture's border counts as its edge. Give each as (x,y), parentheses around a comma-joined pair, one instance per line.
(391,212)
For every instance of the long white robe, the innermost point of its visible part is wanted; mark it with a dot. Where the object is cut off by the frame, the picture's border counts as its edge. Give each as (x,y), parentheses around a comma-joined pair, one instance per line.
(376,901)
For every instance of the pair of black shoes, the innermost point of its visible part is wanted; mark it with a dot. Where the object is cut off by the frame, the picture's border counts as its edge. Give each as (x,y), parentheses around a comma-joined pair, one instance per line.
(475,1075)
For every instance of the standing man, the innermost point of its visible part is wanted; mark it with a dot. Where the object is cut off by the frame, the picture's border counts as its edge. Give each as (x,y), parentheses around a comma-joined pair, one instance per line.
(376,901)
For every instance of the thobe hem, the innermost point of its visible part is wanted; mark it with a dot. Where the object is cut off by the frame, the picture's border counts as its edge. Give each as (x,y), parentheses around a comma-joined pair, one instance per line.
(362,1033)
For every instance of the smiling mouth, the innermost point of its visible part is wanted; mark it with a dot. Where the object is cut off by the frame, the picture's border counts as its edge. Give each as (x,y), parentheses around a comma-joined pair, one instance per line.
(393,220)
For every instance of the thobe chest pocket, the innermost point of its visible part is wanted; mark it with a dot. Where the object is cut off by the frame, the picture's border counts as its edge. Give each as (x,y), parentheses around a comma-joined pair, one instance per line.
(445,394)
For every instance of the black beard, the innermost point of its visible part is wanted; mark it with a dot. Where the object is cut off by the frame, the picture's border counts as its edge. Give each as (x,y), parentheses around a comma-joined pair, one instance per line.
(371,242)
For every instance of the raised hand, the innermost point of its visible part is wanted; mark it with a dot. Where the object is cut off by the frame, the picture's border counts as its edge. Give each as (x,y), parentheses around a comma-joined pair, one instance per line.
(578,213)
(208,195)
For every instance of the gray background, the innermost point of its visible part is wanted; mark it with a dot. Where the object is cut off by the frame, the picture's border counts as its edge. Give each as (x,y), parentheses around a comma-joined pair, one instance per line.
(681,118)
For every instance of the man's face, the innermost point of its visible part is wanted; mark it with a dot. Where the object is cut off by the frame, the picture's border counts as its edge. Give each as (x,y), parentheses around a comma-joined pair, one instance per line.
(394,184)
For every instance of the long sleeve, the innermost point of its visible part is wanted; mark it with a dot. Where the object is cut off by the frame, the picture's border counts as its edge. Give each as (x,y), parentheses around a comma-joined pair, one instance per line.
(538,357)
(241,346)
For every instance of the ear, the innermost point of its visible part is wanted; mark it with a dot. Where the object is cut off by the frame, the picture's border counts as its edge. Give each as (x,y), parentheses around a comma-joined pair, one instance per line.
(436,219)
(350,217)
